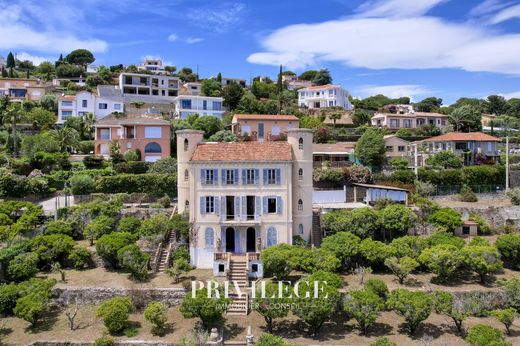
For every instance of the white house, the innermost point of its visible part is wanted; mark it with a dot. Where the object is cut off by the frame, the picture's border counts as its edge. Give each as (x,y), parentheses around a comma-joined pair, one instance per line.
(85,102)
(229,80)
(191,88)
(323,96)
(148,88)
(243,197)
(202,105)
(152,65)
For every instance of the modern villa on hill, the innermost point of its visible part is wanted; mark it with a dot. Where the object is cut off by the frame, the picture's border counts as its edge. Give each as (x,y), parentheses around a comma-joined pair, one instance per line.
(324,96)
(243,197)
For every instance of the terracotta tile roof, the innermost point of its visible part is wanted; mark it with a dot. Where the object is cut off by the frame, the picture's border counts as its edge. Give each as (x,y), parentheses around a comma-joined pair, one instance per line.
(112,120)
(329,148)
(68,97)
(287,117)
(314,87)
(243,151)
(463,136)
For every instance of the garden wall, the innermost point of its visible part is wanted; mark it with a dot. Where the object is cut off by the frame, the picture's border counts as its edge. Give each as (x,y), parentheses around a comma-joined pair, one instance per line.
(117,343)
(496,216)
(96,295)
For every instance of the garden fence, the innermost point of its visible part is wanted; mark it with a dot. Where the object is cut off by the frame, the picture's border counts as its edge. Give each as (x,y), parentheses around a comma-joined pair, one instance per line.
(445,190)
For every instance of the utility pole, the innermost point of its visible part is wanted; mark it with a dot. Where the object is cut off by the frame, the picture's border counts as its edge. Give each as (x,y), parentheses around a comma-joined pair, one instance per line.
(507,163)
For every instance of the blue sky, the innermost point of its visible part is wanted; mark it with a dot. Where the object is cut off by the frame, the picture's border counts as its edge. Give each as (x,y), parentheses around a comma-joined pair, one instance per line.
(418,48)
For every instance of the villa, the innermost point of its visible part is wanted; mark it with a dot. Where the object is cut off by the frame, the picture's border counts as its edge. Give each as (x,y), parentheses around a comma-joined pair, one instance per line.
(263,127)
(243,197)
(20,89)
(324,96)
(86,102)
(410,120)
(202,105)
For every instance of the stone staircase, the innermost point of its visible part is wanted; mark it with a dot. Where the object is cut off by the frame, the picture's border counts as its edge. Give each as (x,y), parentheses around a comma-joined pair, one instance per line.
(165,250)
(238,272)
(317,233)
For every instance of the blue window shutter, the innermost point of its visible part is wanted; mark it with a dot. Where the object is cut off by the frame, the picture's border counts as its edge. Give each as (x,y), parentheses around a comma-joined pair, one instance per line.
(265,205)
(265,176)
(203,205)
(277,173)
(237,240)
(237,208)
(258,206)
(257,175)
(209,237)
(244,172)
(244,208)
(223,239)
(202,176)
(223,177)
(223,208)
(215,177)
(235,176)
(278,205)
(271,236)
(217,206)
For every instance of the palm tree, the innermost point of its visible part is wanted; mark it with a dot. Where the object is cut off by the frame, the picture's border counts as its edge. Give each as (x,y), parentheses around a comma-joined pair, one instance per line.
(67,137)
(88,124)
(458,117)
(335,116)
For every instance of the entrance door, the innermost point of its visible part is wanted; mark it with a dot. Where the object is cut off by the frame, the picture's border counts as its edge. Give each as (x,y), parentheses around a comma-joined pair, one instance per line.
(251,240)
(250,207)
(230,239)
(261,131)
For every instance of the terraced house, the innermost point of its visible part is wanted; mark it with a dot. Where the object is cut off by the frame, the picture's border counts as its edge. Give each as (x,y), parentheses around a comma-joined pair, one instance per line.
(243,197)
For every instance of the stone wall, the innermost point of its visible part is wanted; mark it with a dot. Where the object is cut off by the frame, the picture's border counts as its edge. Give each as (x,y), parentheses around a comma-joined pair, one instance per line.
(96,295)
(496,216)
(117,343)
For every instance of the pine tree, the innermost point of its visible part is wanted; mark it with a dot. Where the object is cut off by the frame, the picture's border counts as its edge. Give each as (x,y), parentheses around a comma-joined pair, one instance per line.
(11,63)
(219,77)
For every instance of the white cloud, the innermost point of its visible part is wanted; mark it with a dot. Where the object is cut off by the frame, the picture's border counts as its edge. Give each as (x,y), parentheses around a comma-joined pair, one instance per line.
(393,91)
(511,95)
(172,38)
(191,40)
(404,43)
(36,60)
(29,25)
(220,18)
(488,6)
(506,14)
(397,8)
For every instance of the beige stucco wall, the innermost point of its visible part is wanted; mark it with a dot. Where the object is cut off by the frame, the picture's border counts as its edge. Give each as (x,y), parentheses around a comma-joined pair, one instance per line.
(284,126)
(395,142)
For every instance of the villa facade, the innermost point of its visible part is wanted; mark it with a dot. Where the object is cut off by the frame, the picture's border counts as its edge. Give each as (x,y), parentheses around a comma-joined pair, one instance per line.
(243,197)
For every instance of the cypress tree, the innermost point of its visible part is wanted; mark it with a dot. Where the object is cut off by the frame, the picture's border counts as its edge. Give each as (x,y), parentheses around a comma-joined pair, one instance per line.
(219,77)
(279,86)
(11,63)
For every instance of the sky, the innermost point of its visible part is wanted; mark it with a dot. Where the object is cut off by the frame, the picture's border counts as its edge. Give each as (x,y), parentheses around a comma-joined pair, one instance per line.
(416,48)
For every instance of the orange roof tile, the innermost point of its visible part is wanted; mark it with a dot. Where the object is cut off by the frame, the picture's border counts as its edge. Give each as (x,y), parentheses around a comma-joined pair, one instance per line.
(266,117)
(243,151)
(463,136)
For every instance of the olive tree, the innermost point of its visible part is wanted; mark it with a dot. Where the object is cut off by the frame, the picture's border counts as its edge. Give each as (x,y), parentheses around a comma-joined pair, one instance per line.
(155,313)
(446,304)
(483,260)
(506,317)
(401,267)
(414,306)
(209,309)
(364,306)
(344,245)
(443,260)
(270,304)
(115,313)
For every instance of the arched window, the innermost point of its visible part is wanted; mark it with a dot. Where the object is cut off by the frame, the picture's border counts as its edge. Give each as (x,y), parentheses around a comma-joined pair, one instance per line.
(187,204)
(152,148)
(209,237)
(300,204)
(186,144)
(272,236)
(186,175)
(300,143)
(300,174)
(300,229)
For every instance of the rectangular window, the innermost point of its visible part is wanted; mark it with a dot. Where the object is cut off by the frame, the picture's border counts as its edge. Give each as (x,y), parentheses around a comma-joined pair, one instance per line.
(401,148)
(186,104)
(217,106)
(117,106)
(407,123)
(461,146)
(209,177)
(103,106)
(394,123)
(275,130)
(65,114)
(250,177)
(389,148)
(271,205)
(465,230)
(331,103)
(230,176)
(331,93)
(104,134)
(271,176)
(66,103)
(84,103)
(152,132)
(204,104)
(210,203)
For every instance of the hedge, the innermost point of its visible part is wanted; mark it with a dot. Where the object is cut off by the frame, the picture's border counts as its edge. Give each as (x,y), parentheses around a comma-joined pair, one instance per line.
(468,175)
(129,183)
(132,167)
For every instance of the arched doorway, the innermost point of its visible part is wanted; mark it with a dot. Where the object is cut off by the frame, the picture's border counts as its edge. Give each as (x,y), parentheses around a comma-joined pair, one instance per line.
(251,239)
(230,239)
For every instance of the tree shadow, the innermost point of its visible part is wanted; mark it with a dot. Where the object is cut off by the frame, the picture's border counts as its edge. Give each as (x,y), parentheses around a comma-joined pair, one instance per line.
(427,329)
(46,323)
(233,330)
(5,331)
(379,329)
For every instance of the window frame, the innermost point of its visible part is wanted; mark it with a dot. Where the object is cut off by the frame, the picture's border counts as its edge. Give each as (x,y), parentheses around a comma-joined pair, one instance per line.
(210,204)
(209,178)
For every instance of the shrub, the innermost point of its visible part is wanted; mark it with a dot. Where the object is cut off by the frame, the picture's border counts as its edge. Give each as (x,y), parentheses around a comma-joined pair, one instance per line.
(397,219)
(99,226)
(130,183)
(483,226)
(208,309)
(115,313)
(59,227)
(446,218)
(424,188)
(132,167)
(8,297)
(383,340)
(167,165)
(374,252)
(181,253)
(267,339)
(155,313)
(81,184)
(442,237)
(401,267)
(319,259)
(506,317)
(178,267)
(331,175)
(155,225)
(23,266)
(164,201)
(51,248)
(445,159)
(358,174)
(509,247)
(344,245)
(482,335)
(445,303)
(31,307)
(399,163)
(404,176)
(132,155)
(377,286)
(129,224)
(85,147)
(104,341)
(481,259)
(443,260)
(408,246)
(363,222)
(414,306)
(467,195)
(131,258)
(109,244)
(80,258)
(364,306)
(277,260)
(94,162)
(333,280)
